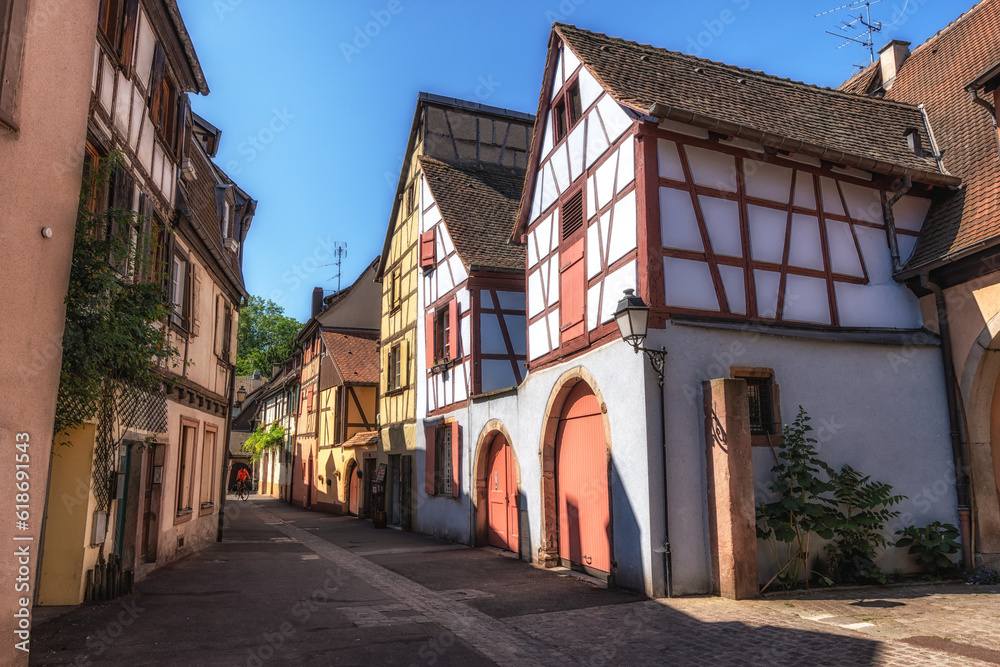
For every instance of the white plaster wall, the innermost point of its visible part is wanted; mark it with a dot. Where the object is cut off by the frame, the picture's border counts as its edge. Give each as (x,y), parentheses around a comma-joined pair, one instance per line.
(875,407)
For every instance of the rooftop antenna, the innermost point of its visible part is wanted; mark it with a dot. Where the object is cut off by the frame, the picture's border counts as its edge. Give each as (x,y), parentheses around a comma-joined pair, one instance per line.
(340,252)
(860,29)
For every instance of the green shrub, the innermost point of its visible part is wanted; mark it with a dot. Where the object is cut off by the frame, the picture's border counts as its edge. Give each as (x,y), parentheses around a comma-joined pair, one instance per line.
(932,545)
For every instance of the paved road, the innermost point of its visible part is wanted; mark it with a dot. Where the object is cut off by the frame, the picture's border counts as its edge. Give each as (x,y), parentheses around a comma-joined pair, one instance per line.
(293,587)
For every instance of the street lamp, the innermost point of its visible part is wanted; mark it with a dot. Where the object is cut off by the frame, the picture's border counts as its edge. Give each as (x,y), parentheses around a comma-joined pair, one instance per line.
(241,394)
(632,317)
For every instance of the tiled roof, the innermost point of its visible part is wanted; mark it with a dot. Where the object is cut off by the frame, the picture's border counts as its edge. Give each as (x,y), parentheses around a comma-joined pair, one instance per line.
(202,204)
(479,206)
(783,113)
(355,353)
(362,439)
(861,82)
(936,74)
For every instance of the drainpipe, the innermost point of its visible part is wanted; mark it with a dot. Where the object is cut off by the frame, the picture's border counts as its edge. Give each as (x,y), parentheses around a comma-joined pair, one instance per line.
(225,459)
(667,570)
(958,450)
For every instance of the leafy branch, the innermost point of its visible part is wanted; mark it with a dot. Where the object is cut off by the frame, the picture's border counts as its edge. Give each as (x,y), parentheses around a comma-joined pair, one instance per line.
(263,440)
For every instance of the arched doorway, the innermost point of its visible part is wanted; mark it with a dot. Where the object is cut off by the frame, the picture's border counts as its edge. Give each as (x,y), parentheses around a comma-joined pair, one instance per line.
(980,392)
(583,513)
(501,495)
(353,489)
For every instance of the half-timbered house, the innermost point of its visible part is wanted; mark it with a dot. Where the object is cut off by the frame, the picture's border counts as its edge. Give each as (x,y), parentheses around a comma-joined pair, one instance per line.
(473,337)
(147,484)
(447,133)
(761,220)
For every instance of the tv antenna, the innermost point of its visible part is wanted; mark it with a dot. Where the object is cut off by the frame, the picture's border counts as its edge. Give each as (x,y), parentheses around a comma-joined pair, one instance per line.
(340,252)
(860,29)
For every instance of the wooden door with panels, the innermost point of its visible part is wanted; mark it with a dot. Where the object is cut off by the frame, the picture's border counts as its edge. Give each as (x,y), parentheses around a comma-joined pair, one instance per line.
(583,510)
(502,496)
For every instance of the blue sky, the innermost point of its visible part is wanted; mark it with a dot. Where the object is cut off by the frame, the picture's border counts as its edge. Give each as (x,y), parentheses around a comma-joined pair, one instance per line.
(315,97)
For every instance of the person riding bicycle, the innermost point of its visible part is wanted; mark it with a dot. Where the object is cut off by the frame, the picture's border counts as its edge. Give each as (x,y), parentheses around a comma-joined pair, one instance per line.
(241,479)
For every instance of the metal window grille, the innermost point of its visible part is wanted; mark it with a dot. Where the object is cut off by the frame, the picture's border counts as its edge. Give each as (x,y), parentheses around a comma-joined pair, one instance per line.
(760,395)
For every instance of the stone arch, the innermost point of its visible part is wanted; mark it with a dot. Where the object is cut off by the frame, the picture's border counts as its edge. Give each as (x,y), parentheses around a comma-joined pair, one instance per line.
(490,431)
(978,385)
(548,552)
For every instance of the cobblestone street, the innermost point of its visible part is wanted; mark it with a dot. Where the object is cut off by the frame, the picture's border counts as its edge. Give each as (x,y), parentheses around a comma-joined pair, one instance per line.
(288,586)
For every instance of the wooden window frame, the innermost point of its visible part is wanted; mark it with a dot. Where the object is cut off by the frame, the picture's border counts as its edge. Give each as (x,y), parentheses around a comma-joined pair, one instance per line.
(13,18)
(748,372)
(563,103)
(395,291)
(181,321)
(394,368)
(184,513)
(207,506)
(439,439)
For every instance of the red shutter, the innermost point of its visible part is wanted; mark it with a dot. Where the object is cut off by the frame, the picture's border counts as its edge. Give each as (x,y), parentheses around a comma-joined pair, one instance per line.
(429,335)
(430,444)
(128,36)
(309,404)
(427,249)
(456,436)
(572,291)
(453,352)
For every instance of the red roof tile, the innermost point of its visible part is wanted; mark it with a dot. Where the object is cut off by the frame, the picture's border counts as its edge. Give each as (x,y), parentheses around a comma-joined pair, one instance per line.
(479,206)
(821,119)
(935,75)
(362,439)
(355,353)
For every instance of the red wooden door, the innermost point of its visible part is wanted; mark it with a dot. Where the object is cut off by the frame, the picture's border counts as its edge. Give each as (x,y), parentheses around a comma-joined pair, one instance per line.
(582,482)
(501,494)
(355,493)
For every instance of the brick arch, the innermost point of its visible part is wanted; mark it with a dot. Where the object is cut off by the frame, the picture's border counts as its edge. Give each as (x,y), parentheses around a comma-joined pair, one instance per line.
(490,431)
(548,552)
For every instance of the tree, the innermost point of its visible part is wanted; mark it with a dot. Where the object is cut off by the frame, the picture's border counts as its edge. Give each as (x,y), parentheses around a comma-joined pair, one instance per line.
(115,306)
(263,440)
(266,336)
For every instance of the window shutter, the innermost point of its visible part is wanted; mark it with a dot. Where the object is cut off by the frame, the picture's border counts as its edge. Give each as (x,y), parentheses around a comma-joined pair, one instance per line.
(404,363)
(456,439)
(219,326)
(128,35)
(453,351)
(429,336)
(427,249)
(572,290)
(195,295)
(309,400)
(155,81)
(572,215)
(430,444)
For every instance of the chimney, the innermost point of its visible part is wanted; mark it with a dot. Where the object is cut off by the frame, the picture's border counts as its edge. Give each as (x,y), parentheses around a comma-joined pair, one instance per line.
(317,301)
(275,370)
(890,59)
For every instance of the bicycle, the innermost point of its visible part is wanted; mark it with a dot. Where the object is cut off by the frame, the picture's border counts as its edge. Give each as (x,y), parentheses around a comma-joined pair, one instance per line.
(242,492)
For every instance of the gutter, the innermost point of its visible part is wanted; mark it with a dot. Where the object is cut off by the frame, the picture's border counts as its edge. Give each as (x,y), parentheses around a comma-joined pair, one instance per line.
(666,112)
(958,446)
(890,222)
